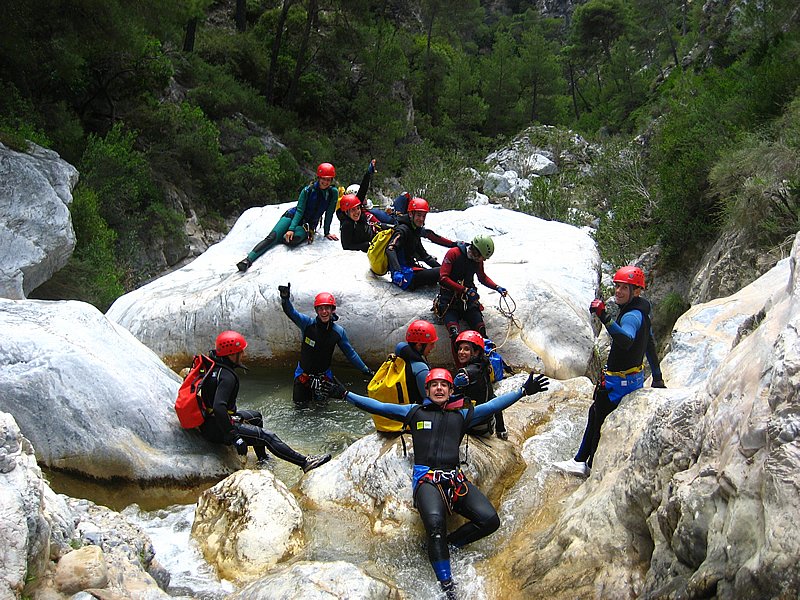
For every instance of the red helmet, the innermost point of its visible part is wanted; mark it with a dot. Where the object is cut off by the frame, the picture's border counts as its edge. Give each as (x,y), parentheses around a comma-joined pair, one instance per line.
(324,299)
(418,205)
(421,332)
(631,275)
(230,342)
(349,201)
(442,374)
(473,337)
(326,170)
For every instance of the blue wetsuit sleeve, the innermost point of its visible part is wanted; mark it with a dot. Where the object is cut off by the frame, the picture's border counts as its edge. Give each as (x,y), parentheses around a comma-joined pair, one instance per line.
(348,350)
(420,371)
(396,412)
(624,332)
(495,404)
(302,321)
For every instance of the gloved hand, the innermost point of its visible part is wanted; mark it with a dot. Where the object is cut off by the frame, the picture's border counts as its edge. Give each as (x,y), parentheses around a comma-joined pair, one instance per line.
(284,290)
(241,446)
(333,389)
(472,294)
(461,380)
(401,279)
(658,383)
(598,307)
(372,166)
(534,385)
(502,291)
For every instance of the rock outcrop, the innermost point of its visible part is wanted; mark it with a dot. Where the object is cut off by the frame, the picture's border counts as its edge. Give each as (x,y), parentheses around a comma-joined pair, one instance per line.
(36,236)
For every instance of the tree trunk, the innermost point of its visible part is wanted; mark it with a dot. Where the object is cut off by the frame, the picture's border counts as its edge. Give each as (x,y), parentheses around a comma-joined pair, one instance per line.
(276,48)
(311,18)
(241,15)
(189,35)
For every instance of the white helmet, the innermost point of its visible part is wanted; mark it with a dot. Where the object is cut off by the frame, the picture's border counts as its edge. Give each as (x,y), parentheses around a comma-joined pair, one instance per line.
(352,188)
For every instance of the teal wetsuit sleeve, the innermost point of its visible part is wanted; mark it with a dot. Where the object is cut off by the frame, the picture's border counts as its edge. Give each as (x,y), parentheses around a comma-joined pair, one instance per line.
(302,321)
(334,197)
(348,350)
(396,412)
(495,404)
(302,200)
(420,370)
(624,332)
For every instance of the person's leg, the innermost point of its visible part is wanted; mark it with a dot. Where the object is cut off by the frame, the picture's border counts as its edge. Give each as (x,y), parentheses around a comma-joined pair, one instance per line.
(260,438)
(474,318)
(500,425)
(301,393)
(432,509)
(482,516)
(383,216)
(598,411)
(423,277)
(276,234)
(300,237)
(451,318)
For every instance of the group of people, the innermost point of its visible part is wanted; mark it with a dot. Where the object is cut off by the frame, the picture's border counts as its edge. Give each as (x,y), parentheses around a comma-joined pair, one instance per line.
(444,405)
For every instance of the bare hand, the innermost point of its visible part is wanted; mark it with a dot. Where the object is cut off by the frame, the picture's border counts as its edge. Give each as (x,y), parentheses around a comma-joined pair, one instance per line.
(332,236)
(288,236)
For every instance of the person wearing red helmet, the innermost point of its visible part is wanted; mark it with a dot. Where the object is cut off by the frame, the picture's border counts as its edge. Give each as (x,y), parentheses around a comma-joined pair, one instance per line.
(440,487)
(473,381)
(624,371)
(405,248)
(320,336)
(421,337)
(225,424)
(298,224)
(359,224)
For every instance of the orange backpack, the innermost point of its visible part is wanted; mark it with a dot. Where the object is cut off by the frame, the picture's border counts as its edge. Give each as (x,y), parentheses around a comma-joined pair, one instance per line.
(189,405)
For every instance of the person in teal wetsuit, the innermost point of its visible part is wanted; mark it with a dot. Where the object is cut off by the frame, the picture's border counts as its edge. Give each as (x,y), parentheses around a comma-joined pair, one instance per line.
(299,223)
(440,487)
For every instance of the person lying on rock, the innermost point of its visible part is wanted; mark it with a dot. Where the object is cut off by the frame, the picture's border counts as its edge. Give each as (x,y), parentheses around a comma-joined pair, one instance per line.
(320,336)
(359,224)
(631,334)
(298,224)
(405,248)
(225,424)
(440,487)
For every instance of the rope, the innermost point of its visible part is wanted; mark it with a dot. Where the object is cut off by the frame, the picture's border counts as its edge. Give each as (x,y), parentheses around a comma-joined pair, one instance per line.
(506,307)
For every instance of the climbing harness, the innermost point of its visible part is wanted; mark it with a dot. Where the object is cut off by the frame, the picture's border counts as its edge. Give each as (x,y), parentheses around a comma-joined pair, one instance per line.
(452,485)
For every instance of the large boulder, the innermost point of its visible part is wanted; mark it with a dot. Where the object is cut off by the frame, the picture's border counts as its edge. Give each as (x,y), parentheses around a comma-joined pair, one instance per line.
(36,236)
(93,400)
(549,268)
(694,490)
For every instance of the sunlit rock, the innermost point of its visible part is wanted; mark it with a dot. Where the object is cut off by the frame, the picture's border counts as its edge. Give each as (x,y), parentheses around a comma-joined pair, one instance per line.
(549,268)
(93,400)
(36,236)
(247,523)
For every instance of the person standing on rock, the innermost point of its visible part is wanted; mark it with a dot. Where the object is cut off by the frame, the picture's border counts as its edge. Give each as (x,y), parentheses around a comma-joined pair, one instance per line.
(320,335)
(624,371)
(440,487)
(298,224)
(405,248)
(458,296)
(224,424)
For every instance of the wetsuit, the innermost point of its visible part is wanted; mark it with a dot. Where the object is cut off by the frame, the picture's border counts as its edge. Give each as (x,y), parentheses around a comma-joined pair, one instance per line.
(224,423)
(405,249)
(357,235)
(416,370)
(316,351)
(623,374)
(456,276)
(439,484)
(479,390)
(303,219)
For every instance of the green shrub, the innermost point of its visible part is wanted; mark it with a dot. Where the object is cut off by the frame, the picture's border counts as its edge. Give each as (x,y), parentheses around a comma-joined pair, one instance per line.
(266,180)
(438,176)
(549,198)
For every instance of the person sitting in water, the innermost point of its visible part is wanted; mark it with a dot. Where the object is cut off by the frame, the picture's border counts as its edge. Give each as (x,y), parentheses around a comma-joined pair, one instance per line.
(440,487)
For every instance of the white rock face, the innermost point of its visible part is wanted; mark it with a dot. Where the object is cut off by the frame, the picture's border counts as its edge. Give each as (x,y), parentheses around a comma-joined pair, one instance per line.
(36,236)
(337,580)
(247,523)
(549,268)
(94,400)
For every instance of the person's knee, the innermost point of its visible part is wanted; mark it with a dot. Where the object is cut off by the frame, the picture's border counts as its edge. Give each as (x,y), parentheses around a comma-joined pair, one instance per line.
(491,524)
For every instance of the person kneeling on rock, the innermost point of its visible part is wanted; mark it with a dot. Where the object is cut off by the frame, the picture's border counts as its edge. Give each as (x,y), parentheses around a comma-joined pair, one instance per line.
(225,424)
(440,487)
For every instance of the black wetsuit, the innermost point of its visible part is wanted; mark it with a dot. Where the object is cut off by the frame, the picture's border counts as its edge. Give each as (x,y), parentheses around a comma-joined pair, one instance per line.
(405,249)
(480,390)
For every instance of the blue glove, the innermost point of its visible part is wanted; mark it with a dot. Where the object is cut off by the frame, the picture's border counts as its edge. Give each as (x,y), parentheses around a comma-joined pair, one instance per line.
(402,279)
(501,290)
(461,380)
(472,294)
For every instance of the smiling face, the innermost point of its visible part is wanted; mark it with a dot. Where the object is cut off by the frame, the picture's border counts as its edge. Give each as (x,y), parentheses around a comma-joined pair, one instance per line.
(354,213)
(439,391)
(324,312)
(466,351)
(418,218)
(624,292)
(325,182)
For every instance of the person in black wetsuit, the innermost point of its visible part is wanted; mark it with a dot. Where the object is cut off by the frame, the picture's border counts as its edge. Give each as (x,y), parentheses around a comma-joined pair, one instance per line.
(440,487)
(225,424)
(473,381)
(320,336)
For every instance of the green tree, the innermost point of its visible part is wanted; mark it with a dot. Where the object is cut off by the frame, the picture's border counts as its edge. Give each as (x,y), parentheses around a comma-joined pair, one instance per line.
(500,84)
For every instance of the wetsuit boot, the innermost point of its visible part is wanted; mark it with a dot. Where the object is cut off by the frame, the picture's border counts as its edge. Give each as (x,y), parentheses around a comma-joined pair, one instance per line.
(449,589)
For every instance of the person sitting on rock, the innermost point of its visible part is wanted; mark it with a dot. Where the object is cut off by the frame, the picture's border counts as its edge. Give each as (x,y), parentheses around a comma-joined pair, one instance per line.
(359,224)
(458,297)
(320,336)
(405,248)
(400,204)
(440,487)
(360,190)
(624,371)
(299,224)
(225,424)
(473,381)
